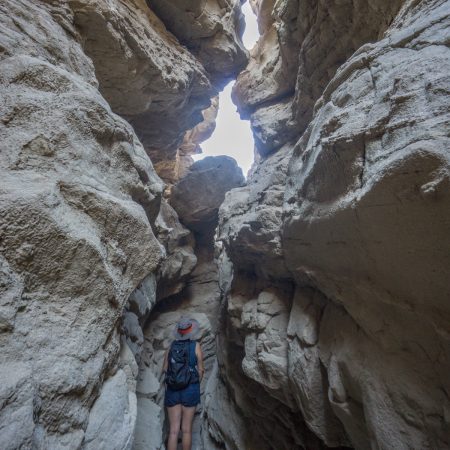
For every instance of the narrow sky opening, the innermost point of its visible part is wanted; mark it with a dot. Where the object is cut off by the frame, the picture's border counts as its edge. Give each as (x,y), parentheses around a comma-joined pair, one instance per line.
(232,136)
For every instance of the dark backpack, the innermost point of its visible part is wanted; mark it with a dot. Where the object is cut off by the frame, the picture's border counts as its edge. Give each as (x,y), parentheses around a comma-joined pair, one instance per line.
(181,369)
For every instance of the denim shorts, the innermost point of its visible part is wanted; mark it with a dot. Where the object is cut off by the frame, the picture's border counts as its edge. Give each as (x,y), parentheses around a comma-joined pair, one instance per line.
(189,396)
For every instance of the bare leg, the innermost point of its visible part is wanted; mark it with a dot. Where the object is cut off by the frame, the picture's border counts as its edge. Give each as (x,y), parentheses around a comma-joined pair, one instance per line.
(186,426)
(174,422)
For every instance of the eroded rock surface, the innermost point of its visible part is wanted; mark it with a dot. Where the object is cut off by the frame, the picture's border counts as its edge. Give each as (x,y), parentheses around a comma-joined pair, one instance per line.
(198,195)
(324,305)
(81,211)
(211,29)
(75,181)
(337,286)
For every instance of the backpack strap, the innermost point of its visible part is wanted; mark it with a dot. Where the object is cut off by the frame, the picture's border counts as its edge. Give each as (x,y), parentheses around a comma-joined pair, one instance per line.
(192,355)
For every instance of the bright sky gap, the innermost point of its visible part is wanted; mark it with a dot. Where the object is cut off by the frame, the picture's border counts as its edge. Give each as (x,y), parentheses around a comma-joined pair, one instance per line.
(232,135)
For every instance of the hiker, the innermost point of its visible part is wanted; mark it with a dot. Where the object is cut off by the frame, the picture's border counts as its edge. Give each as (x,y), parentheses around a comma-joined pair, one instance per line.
(183,369)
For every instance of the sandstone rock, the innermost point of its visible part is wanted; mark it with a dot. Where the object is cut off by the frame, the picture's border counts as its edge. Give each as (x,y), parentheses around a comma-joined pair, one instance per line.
(324,305)
(267,123)
(360,221)
(198,195)
(171,170)
(112,418)
(79,199)
(16,417)
(251,216)
(152,79)
(127,362)
(265,358)
(145,74)
(211,29)
(180,258)
(225,424)
(148,434)
(143,298)
(133,332)
(75,180)
(300,49)
(149,384)
(374,223)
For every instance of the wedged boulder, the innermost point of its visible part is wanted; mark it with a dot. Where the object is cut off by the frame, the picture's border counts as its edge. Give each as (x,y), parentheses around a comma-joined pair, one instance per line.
(197,197)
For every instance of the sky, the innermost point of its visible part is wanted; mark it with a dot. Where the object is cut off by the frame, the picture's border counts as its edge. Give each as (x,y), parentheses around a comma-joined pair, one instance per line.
(232,135)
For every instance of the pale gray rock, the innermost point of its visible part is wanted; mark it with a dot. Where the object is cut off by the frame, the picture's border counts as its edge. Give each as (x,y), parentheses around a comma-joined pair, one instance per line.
(224,423)
(211,29)
(113,416)
(127,362)
(360,226)
(324,305)
(79,198)
(266,123)
(198,195)
(172,169)
(149,425)
(143,298)
(305,371)
(149,384)
(299,50)
(180,258)
(250,218)
(369,235)
(17,423)
(133,332)
(73,172)
(265,320)
(143,71)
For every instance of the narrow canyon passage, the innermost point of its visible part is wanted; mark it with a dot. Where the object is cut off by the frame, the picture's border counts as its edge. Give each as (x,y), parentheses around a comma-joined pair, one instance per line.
(320,280)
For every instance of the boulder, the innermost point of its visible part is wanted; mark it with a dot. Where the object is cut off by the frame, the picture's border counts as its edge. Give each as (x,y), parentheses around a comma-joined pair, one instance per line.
(198,196)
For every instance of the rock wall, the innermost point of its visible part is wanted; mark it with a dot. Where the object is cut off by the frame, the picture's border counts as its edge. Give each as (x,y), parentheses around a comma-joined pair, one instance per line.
(322,294)
(88,91)
(334,255)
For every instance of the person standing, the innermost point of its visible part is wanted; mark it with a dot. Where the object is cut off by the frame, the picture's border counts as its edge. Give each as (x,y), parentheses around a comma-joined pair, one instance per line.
(183,369)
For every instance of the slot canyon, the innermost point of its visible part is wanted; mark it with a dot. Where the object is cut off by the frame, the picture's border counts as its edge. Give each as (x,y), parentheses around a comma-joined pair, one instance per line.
(321,281)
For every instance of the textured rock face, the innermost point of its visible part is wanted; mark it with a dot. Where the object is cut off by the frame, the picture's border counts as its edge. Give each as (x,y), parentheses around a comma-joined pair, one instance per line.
(81,211)
(210,29)
(198,195)
(135,59)
(337,286)
(301,46)
(74,182)
(172,169)
(324,304)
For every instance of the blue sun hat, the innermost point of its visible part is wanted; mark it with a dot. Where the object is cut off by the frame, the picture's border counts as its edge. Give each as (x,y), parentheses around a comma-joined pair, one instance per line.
(186,328)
